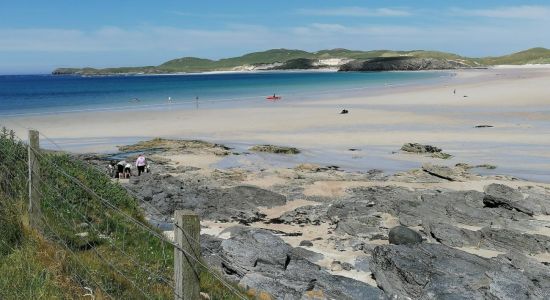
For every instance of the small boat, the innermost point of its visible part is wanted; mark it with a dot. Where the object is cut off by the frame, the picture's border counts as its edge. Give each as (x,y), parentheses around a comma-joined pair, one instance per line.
(274,97)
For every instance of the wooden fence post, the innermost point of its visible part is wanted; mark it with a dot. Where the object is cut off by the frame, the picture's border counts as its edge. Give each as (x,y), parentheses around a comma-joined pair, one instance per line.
(186,269)
(34,173)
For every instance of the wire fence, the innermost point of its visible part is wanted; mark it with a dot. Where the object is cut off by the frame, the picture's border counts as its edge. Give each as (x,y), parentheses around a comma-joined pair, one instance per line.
(113,252)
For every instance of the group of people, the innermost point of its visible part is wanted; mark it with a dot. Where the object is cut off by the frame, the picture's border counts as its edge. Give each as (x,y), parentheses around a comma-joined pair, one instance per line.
(123,169)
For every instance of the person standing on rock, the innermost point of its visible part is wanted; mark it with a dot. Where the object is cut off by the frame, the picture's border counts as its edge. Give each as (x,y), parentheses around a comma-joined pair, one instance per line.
(141,162)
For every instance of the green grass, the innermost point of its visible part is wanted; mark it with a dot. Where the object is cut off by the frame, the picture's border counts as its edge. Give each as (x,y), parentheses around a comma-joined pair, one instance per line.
(530,56)
(82,241)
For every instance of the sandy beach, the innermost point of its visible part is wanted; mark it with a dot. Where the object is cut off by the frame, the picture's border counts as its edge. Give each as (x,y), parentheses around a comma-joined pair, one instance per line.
(332,206)
(513,100)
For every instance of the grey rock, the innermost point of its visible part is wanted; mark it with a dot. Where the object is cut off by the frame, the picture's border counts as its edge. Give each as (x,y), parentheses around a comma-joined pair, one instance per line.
(401,235)
(362,263)
(312,256)
(453,236)
(443,172)
(508,239)
(310,214)
(408,220)
(498,195)
(365,226)
(434,271)
(306,243)
(419,148)
(347,266)
(258,259)
(537,272)
(239,203)
(489,238)
(538,203)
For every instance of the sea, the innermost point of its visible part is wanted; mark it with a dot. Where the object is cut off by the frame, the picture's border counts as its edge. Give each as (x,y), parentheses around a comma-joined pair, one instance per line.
(52,94)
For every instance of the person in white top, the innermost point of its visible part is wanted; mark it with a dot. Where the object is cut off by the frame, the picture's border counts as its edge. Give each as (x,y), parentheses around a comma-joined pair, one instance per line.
(141,162)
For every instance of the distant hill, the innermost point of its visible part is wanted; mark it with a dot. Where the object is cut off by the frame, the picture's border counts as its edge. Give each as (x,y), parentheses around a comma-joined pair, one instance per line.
(283,59)
(531,56)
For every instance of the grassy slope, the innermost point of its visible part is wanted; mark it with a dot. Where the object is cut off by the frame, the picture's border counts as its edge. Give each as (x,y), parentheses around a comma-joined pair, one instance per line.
(193,64)
(41,266)
(531,56)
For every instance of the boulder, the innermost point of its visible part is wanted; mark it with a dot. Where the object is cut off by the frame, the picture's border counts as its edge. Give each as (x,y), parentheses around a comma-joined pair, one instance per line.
(401,235)
(306,243)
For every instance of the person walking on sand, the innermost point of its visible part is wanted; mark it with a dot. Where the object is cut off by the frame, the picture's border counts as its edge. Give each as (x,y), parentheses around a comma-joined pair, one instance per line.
(141,162)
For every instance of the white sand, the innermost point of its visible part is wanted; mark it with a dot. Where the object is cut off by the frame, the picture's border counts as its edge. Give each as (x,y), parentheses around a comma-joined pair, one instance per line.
(318,124)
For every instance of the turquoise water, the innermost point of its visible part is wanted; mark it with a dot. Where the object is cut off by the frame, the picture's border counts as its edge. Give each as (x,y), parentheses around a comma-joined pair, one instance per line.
(38,94)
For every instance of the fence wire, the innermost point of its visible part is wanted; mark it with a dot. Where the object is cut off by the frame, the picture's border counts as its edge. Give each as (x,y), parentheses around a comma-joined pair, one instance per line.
(83,217)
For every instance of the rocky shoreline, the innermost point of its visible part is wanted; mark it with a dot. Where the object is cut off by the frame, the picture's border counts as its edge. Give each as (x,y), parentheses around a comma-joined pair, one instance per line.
(313,232)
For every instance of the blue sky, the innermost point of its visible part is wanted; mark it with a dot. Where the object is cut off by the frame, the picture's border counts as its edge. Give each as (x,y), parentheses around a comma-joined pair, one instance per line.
(37,36)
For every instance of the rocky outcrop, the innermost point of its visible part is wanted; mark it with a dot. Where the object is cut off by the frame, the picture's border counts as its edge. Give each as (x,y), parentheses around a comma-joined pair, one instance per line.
(498,195)
(442,172)
(239,203)
(402,64)
(261,261)
(433,151)
(433,271)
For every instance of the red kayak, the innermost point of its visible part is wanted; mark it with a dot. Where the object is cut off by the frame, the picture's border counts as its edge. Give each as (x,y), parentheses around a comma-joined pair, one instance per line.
(274,98)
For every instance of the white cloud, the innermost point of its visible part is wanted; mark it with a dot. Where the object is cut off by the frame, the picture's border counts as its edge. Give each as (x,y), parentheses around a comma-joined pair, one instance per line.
(139,39)
(322,29)
(510,12)
(356,12)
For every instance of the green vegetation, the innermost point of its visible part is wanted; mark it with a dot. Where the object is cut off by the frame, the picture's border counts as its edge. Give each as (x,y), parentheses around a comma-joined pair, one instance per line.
(531,56)
(293,59)
(297,64)
(82,242)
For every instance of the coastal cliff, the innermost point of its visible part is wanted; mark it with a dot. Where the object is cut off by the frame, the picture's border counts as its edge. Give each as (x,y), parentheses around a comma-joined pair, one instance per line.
(403,64)
(334,59)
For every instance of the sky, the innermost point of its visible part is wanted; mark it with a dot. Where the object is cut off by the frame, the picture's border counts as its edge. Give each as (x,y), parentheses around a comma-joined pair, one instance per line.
(37,36)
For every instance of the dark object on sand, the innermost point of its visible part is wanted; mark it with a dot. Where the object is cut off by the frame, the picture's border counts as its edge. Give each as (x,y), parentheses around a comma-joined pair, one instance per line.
(275,149)
(401,235)
(484,126)
(344,111)
(306,243)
